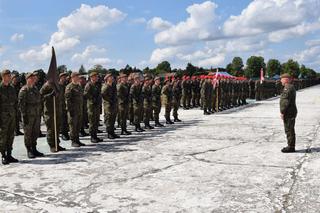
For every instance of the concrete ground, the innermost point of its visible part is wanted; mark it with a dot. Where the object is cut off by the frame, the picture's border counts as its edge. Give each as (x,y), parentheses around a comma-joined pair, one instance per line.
(226,162)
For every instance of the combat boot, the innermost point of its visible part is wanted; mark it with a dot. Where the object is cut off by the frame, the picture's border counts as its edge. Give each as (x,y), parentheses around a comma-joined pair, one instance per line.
(288,149)
(60,148)
(65,137)
(80,144)
(148,126)
(158,124)
(5,160)
(93,139)
(125,132)
(18,132)
(30,153)
(83,133)
(36,152)
(176,119)
(10,158)
(168,121)
(206,112)
(110,135)
(75,144)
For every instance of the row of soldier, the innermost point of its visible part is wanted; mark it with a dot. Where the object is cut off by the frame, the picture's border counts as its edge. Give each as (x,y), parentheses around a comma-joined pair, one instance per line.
(78,102)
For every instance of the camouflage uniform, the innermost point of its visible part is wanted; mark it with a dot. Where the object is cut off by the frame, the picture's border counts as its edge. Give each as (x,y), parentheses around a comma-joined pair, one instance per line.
(135,94)
(177,92)
(156,103)
(123,106)
(147,104)
(166,97)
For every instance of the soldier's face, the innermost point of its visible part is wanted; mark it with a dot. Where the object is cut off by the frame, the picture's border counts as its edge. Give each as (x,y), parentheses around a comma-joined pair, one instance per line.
(94,78)
(157,82)
(284,81)
(6,78)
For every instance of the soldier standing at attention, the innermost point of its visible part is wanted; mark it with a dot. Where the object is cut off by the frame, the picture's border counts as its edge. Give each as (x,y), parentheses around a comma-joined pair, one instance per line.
(166,96)
(30,107)
(109,95)
(92,93)
(123,103)
(288,110)
(135,94)
(156,101)
(147,102)
(48,92)
(177,92)
(85,119)
(64,129)
(74,103)
(8,103)
(15,81)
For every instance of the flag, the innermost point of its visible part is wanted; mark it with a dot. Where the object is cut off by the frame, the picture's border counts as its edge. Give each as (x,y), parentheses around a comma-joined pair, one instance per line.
(53,76)
(261,76)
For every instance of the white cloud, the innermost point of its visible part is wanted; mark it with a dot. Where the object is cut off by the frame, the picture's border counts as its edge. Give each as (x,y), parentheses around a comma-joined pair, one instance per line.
(299,30)
(17,37)
(309,55)
(271,15)
(2,49)
(87,53)
(101,61)
(314,42)
(216,60)
(168,53)
(83,22)
(199,26)
(159,24)
(6,64)
(140,20)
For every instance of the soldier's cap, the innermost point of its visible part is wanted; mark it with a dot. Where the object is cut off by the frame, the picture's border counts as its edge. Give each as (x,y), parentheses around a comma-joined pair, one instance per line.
(74,74)
(285,75)
(5,72)
(137,76)
(147,78)
(63,74)
(93,74)
(157,78)
(31,74)
(107,76)
(122,75)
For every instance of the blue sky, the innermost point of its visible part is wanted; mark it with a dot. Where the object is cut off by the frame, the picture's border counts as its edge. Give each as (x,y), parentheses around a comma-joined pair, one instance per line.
(145,32)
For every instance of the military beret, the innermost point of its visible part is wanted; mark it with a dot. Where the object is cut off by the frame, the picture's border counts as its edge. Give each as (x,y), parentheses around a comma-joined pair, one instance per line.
(74,74)
(107,76)
(62,74)
(29,75)
(5,72)
(157,78)
(285,75)
(93,74)
(147,78)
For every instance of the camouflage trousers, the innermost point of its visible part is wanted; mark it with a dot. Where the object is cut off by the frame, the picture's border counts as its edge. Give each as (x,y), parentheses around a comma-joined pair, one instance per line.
(75,121)
(137,114)
(93,117)
(7,128)
(289,124)
(156,111)
(123,110)
(64,129)
(110,115)
(175,106)
(31,127)
(147,111)
(167,107)
(51,136)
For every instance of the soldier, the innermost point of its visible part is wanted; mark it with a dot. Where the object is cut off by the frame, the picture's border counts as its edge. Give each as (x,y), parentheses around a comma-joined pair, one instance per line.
(147,102)
(85,117)
(15,81)
(184,87)
(64,129)
(205,90)
(156,101)
(123,103)
(92,93)
(131,114)
(288,111)
(38,85)
(166,96)
(8,105)
(48,93)
(74,103)
(135,94)
(30,107)
(177,92)
(109,95)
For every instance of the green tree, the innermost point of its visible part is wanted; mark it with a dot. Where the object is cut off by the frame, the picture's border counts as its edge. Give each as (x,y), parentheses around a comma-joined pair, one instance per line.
(163,67)
(306,72)
(254,65)
(292,67)
(237,66)
(190,69)
(62,69)
(273,67)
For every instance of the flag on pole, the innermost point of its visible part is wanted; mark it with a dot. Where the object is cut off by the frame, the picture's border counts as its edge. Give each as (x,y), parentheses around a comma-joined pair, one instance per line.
(53,76)
(261,76)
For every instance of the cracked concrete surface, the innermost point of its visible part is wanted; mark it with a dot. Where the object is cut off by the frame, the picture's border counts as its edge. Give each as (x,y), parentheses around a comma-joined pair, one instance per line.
(227,162)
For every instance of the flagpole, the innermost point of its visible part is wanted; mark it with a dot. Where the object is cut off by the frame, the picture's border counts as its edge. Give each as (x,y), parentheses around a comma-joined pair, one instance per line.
(55,123)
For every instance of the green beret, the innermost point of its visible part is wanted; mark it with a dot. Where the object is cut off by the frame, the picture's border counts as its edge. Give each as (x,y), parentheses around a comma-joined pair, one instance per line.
(74,74)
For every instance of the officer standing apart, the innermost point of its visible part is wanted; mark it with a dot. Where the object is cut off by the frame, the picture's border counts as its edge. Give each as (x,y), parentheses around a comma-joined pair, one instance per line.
(288,111)
(8,103)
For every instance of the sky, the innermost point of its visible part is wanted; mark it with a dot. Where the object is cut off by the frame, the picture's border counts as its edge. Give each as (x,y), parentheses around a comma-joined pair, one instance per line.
(143,33)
